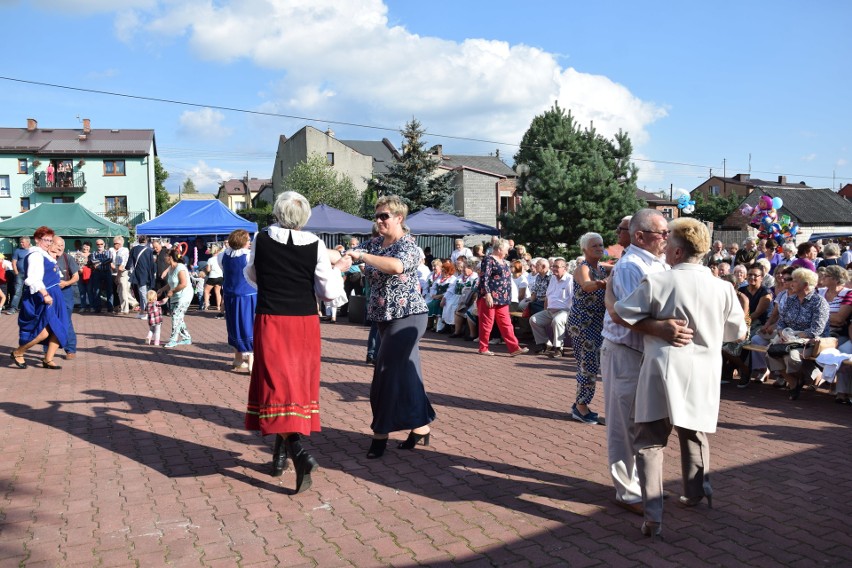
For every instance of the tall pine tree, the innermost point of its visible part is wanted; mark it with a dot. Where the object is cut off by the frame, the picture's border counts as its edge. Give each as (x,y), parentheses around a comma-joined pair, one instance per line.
(572,181)
(413,177)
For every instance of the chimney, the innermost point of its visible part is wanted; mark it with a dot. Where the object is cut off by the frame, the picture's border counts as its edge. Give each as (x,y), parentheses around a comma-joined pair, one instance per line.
(32,124)
(87,126)
(742,177)
(782,180)
(438,150)
(329,133)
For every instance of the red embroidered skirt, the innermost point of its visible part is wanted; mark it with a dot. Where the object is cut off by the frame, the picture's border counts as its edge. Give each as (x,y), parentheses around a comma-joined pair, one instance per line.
(284,390)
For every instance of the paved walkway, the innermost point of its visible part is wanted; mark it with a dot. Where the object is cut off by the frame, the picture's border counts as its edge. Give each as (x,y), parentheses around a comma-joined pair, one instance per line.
(135,455)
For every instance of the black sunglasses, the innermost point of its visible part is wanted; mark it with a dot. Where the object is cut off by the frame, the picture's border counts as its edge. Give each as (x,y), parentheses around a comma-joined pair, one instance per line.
(383,216)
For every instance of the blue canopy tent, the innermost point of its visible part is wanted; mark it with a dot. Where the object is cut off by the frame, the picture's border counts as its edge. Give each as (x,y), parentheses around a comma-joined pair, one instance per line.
(196,218)
(327,219)
(430,221)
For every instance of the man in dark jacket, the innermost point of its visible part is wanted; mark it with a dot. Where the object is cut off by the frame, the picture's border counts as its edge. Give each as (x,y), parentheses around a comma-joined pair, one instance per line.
(141,266)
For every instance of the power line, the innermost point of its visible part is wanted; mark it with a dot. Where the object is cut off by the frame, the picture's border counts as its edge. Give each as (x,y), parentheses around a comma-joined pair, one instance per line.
(341,123)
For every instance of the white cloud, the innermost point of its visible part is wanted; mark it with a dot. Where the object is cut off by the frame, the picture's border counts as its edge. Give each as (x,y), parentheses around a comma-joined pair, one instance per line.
(206,178)
(204,124)
(809,157)
(343,60)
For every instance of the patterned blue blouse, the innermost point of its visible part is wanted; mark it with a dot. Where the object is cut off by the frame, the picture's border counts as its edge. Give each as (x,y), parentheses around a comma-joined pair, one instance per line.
(810,315)
(497,279)
(394,296)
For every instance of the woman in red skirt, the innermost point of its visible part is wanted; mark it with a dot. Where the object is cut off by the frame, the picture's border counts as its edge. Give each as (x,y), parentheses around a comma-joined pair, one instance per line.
(290,269)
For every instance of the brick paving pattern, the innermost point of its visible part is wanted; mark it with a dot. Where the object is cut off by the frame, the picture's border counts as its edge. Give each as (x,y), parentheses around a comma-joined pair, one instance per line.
(136,455)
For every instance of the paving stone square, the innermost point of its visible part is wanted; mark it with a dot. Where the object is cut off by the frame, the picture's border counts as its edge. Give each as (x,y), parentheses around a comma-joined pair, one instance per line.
(136,455)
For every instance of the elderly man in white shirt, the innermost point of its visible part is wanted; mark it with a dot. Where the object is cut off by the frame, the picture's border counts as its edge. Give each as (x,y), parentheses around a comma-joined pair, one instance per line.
(460,250)
(120,255)
(548,325)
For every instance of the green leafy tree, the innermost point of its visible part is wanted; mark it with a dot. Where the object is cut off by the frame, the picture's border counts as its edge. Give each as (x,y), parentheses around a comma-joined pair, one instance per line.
(413,177)
(572,181)
(320,183)
(160,194)
(714,208)
(188,186)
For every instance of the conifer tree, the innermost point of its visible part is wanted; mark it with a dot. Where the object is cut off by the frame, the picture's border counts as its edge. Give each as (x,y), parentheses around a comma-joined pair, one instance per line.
(572,181)
(413,178)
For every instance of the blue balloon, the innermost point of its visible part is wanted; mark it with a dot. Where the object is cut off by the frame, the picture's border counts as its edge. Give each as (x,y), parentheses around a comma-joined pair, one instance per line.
(777,203)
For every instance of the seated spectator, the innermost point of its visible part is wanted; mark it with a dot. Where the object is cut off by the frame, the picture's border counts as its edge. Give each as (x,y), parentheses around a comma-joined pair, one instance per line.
(548,325)
(759,304)
(520,279)
(714,267)
(806,255)
(839,299)
(437,285)
(768,280)
(538,286)
(783,258)
(733,249)
(748,254)
(762,334)
(717,254)
(439,288)
(465,322)
(831,256)
(724,268)
(740,272)
(806,313)
(461,285)
(732,352)
(460,250)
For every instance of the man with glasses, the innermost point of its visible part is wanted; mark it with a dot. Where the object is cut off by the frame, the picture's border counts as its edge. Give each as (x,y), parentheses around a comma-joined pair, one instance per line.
(100,262)
(621,353)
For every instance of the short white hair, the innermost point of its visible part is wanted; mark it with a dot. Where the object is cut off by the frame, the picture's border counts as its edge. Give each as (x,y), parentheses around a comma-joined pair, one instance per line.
(587,238)
(292,210)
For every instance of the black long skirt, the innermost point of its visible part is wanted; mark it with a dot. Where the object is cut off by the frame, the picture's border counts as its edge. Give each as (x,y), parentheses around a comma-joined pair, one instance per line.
(397,394)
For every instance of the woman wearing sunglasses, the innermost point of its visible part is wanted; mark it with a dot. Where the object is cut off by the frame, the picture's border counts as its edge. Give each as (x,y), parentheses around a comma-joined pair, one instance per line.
(397,394)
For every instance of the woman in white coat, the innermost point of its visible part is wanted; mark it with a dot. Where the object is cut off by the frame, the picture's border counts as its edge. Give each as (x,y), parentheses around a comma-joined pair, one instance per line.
(679,386)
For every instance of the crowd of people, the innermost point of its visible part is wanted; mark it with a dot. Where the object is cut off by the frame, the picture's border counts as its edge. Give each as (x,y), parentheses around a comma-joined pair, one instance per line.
(661,349)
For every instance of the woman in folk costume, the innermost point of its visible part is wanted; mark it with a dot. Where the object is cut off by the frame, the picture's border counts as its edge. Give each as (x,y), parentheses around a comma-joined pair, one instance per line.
(42,314)
(290,269)
(240,299)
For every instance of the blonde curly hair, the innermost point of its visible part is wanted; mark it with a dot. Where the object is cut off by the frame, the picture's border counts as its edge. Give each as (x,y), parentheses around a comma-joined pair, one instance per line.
(691,235)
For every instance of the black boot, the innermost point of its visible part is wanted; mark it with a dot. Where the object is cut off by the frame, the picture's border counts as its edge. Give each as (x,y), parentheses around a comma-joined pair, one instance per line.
(302,461)
(279,457)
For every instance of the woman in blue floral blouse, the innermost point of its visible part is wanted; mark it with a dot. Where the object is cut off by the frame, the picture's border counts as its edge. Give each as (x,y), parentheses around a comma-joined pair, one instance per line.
(495,290)
(397,394)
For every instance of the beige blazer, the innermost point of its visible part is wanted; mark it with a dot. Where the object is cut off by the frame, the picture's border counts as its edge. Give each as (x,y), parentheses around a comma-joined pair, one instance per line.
(682,383)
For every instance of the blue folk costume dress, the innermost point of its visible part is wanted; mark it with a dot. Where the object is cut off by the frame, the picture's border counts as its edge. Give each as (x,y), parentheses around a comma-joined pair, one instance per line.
(35,315)
(240,300)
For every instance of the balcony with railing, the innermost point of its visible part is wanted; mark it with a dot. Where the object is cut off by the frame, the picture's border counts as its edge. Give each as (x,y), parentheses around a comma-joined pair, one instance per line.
(72,182)
(127,218)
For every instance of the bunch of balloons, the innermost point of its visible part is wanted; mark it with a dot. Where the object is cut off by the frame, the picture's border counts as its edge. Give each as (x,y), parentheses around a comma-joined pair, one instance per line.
(686,205)
(764,217)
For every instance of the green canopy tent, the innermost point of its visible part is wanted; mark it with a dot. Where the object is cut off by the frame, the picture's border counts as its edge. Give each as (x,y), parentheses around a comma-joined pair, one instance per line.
(66,219)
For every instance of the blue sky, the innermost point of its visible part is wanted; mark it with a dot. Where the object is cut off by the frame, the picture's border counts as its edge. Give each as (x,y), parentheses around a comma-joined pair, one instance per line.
(712,85)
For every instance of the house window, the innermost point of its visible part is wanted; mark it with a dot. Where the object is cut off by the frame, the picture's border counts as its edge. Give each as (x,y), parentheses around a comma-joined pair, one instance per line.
(115,204)
(113,167)
(239,205)
(329,157)
(63,199)
(714,190)
(22,166)
(667,212)
(25,204)
(5,190)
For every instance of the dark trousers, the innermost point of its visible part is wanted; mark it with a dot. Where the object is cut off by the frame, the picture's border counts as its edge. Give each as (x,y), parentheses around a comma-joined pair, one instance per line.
(102,289)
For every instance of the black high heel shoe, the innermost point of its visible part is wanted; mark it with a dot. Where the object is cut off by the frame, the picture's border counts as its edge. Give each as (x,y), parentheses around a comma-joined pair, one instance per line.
(414,440)
(304,462)
(15,360)
(377,448)
(279,457)
(50,365)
